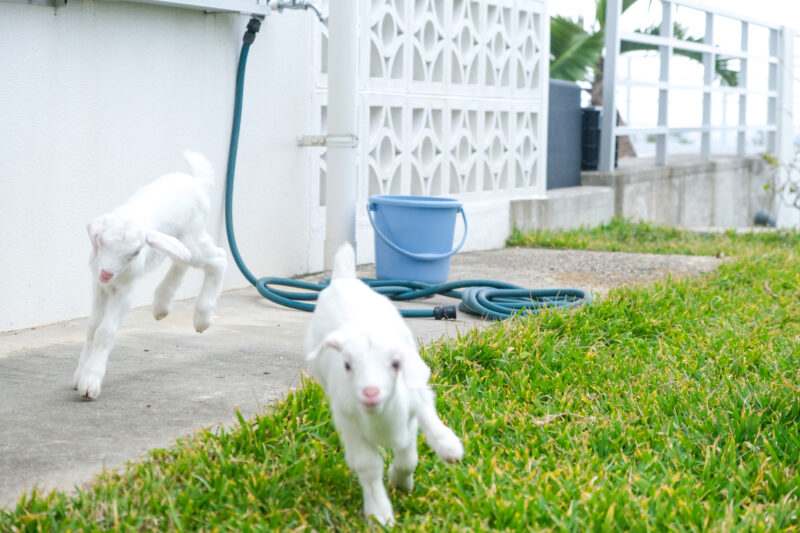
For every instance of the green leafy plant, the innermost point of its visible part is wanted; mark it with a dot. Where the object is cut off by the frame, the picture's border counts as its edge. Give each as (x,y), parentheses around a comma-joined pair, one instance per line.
(784,181)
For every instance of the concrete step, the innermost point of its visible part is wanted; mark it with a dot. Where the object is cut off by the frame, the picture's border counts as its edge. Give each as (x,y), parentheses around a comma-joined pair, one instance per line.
(567,208)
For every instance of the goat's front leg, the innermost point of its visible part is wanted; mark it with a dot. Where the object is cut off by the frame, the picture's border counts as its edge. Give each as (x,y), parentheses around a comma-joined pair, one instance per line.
(94,368)
(96,313)
(367,463)
(441,438)
(212,260)
(401,472)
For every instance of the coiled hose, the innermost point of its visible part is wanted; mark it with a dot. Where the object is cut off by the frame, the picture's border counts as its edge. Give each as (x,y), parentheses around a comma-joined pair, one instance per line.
(491,299)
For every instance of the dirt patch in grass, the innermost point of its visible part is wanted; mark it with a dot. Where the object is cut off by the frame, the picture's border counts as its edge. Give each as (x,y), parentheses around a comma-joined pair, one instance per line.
(593,271)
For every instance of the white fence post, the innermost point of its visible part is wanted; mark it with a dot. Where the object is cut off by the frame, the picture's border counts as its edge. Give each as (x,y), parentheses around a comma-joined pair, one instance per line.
(665,54)
(741,136)
(772,87)
(786,216)
(608,136)
(709,60)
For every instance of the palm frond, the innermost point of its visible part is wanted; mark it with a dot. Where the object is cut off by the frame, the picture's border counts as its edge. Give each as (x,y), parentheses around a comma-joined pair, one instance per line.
(573,50)
(600,10)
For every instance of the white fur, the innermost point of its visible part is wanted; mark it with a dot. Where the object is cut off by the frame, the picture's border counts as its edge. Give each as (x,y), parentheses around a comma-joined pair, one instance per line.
(374,404)
(165,217)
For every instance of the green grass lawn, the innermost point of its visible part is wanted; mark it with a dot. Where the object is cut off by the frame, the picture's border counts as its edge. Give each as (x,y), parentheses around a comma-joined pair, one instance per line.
(625,236)
(668,407)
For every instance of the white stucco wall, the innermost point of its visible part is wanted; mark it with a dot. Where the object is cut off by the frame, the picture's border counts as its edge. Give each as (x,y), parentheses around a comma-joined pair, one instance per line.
(99,98)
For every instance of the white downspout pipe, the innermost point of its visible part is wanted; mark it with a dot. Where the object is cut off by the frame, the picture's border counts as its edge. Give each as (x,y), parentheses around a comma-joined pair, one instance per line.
(340,185)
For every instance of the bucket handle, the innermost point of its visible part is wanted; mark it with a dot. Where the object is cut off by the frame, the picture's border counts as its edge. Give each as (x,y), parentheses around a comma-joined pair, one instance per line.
(422,256)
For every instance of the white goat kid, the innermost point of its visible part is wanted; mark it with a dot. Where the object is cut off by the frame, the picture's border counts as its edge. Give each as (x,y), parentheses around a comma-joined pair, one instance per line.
(365,357)
(167,216)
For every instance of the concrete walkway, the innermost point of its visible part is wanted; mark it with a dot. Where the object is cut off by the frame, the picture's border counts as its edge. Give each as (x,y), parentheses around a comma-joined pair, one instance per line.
(165,381)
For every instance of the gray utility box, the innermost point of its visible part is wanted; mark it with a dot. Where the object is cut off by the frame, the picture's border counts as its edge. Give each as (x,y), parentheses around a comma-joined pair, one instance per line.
(564,135)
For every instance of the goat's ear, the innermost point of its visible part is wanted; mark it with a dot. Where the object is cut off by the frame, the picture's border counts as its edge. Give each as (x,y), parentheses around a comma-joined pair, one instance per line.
(93,229)
(335,341)
(415,372)
(168,244)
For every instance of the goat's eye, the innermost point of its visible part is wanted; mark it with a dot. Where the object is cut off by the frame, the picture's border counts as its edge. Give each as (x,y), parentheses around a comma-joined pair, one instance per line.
(396,364)
(347,366)
(134,254)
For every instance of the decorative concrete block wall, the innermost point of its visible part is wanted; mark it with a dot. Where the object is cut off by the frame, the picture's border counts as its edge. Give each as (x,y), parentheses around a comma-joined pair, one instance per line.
(453,102)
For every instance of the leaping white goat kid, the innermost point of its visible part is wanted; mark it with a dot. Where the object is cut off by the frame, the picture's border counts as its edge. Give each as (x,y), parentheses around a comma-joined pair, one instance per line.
(365,357)
(165,217)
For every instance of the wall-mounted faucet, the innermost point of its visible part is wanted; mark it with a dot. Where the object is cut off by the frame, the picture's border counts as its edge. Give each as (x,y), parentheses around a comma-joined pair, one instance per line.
(280,5)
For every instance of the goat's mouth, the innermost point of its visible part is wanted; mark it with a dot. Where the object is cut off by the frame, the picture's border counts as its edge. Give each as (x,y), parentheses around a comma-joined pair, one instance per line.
(371,403)
(105,276)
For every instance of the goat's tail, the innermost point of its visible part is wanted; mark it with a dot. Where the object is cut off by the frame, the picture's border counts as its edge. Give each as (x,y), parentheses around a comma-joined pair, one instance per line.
(200,166)
(344,262)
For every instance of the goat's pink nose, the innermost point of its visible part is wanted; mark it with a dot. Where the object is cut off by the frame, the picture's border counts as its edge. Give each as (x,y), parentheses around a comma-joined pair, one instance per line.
(105,275)
(371,392)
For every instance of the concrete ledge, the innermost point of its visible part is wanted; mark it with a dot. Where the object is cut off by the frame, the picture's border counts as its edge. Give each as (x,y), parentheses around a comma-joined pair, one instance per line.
(726,191)
(567,208)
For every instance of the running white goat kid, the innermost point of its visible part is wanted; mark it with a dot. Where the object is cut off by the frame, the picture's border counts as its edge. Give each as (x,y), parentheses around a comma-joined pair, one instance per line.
(167,216)
(365,357)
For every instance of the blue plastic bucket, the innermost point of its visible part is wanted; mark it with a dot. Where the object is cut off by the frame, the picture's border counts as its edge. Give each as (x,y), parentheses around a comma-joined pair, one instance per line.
(414,236)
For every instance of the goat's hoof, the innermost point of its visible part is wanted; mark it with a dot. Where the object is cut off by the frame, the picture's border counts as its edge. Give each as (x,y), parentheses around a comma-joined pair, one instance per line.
(384,516)
(76,378)
(449,448)
(202,320)
(160,310)
(89,386)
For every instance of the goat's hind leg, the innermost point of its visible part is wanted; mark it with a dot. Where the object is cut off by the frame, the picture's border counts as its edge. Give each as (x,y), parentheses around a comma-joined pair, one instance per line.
(401,472)
(212,260)
(165,293)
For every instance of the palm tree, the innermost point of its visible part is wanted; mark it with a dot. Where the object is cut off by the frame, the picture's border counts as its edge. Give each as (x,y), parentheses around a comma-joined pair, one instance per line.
(577,54)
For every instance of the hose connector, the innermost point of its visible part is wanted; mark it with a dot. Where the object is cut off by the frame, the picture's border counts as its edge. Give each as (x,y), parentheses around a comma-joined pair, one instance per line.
(444,312)
(252,28)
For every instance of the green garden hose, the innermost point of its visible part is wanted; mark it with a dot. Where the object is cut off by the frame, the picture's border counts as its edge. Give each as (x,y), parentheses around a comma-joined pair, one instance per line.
(490,299)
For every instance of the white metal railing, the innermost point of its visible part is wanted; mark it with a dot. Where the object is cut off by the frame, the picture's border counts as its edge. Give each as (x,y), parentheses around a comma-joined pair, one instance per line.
(779,61)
